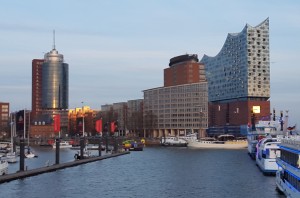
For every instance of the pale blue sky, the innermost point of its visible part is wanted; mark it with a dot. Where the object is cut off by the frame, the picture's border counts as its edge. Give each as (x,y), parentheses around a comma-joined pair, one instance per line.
(115,49)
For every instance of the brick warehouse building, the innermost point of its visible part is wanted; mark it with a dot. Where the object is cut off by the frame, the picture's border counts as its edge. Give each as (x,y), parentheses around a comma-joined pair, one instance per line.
(239,79)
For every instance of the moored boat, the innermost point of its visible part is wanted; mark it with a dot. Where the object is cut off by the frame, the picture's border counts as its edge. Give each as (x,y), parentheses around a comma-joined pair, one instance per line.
(3,167)
(288,175)
(11,157)
(225,141)
(173,141)
(262,129)
(133,145)
(267,151)
(62,145)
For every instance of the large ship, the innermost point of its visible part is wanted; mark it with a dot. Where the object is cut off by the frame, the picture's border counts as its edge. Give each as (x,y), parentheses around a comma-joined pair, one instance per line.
(262,130)
(288,175)
(224,141)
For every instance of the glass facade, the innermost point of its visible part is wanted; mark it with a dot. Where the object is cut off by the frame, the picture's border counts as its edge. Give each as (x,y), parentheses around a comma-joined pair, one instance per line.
(55,82)
(242,68)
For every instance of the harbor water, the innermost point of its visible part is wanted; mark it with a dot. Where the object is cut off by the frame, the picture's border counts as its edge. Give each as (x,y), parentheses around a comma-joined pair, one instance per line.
(155,172)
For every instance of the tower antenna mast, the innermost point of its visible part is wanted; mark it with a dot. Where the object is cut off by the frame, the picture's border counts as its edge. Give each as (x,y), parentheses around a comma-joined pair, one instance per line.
(53,39)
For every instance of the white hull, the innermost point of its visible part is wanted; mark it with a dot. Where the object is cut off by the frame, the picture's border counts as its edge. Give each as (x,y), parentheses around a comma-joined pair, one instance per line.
(173,142)
(3,167)
(29,155)
(62,145)
(11,158)
(267,151)
(285,187)
(214,145)
(267,165)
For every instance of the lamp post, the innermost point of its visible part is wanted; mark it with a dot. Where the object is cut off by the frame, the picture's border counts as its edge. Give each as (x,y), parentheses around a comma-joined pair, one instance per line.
(201,123)
(201,113)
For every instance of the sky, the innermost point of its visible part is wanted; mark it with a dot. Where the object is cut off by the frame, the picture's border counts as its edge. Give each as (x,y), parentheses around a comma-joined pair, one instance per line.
(118,48)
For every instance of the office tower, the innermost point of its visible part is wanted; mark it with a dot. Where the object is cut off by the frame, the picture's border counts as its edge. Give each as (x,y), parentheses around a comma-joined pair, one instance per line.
(55,81)
(50,92)
(180,107)
(239,77)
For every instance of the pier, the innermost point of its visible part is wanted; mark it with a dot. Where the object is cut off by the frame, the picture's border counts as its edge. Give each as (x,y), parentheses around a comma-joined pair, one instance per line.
(55,167)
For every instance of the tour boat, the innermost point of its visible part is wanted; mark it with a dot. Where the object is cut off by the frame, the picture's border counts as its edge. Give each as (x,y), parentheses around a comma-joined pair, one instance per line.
(267,152)
(173,141)
(225,141)
(62,144)
(262,129)
(3,167)
(288,175)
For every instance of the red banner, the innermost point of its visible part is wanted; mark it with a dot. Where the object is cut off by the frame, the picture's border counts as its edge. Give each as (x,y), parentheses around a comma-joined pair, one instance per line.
(112,127)
(98,126)
(57,123)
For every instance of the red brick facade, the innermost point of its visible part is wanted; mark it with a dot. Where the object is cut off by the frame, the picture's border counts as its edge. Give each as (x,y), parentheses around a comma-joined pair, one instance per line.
(36,86)
(183,73)
(236,113)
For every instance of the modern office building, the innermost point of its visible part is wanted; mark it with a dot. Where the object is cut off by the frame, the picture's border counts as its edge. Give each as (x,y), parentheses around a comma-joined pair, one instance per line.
(239,78)
(55,81)
(180,107)
(4,120)
(50,90)
(134,117)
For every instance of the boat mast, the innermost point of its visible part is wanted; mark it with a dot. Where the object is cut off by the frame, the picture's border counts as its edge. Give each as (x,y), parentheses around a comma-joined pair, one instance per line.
(24,124)
(11,129)
(28,127)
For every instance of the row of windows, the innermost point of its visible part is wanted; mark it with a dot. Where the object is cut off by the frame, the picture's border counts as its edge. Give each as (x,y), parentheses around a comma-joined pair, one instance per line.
(292,180)
(290,158)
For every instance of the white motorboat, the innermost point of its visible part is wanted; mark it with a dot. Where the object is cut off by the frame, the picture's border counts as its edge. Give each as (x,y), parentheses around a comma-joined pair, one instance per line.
(86,154)
(3,167)
(173,141)
(29,153)
(11,157)
(62,144)
(225,141)
(262,129)
(267,152)
(288,175)
(190,137)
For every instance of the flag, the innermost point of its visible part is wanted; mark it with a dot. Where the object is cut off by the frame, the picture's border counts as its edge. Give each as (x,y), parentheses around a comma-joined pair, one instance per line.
(291,128)
(112,127)
(98,126)
(57,123)
(20,121)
